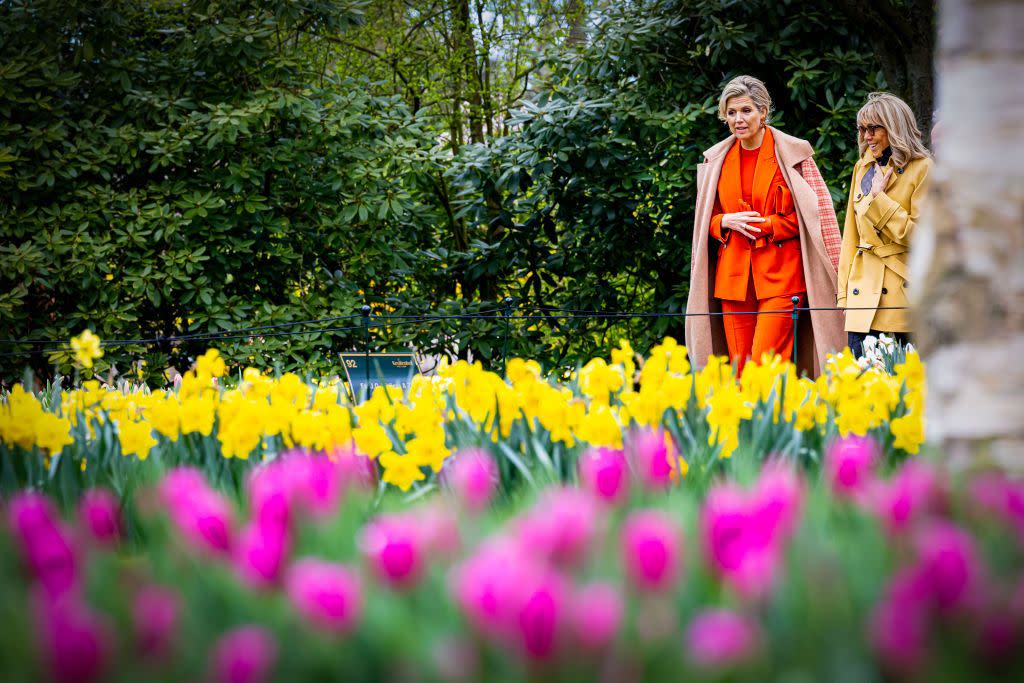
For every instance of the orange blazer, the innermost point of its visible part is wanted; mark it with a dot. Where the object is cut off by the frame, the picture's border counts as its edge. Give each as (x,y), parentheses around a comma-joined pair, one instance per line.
(774,260)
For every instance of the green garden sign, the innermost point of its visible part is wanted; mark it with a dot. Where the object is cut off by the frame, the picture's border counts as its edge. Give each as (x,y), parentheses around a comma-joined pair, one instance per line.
(366,371)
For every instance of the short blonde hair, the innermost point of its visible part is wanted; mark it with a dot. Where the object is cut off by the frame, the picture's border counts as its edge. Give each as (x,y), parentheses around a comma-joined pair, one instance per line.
(746,86)
(886,110)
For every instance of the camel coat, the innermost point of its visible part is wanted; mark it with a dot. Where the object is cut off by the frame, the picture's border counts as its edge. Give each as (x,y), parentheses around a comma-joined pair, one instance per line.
(819,332)
(876,240)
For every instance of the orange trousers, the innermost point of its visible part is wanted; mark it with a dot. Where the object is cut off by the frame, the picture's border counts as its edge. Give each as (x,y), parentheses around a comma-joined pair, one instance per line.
(758,331)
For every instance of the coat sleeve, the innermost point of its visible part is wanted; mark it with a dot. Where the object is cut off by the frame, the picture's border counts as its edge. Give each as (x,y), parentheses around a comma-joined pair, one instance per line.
(850,238)
(894,220)
(782,226)
(715,229)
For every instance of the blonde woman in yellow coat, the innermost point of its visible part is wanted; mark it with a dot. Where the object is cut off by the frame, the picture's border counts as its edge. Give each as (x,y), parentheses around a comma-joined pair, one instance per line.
(889,185)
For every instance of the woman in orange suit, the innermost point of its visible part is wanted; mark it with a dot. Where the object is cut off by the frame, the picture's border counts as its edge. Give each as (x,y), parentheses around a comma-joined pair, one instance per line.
(766,222)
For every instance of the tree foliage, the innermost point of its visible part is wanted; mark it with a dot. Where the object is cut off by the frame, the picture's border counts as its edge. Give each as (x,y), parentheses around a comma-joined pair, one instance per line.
(589,204)
(173,168)
(187,168)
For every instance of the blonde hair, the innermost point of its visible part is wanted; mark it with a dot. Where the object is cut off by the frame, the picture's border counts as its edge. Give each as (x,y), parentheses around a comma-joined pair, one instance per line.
(746,86)
(893,114)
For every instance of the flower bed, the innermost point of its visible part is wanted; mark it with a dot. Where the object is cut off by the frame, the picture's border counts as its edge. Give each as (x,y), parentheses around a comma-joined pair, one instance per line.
(310,575)
(537,426)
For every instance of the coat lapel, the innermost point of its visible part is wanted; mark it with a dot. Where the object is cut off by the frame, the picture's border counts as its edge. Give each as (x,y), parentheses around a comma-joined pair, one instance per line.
(731,183)
(701,339)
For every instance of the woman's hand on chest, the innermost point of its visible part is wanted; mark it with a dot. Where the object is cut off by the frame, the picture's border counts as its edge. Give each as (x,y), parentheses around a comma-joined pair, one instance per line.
(743,222)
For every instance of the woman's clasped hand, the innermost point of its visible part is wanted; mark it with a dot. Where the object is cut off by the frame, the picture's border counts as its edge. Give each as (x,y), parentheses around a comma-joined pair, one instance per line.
(741,222)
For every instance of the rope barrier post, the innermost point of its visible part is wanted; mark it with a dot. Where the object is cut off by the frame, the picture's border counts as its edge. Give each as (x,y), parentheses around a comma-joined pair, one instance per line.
(796,321)
(506,312)
(366,344)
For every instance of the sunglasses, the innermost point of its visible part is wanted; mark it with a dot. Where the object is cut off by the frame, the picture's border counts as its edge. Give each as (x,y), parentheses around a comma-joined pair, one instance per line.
(869,129)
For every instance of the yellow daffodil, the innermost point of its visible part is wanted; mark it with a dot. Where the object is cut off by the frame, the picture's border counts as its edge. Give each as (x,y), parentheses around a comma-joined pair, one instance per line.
(86,348)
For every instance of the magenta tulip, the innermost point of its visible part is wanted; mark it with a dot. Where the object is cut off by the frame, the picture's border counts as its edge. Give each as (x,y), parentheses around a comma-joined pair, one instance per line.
(916,492)
(329,595)
(472,476)
(651,550)
(201,515)
(393,546)
(561,526)
(45,545)
(597,616)
(155,617)
(849,466)
(650,452)
(99,514)
(75,642)
(720,638)
(244,655)
(605,474)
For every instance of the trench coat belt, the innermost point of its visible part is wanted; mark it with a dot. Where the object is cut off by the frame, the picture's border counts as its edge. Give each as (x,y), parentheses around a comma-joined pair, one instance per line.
(886,252)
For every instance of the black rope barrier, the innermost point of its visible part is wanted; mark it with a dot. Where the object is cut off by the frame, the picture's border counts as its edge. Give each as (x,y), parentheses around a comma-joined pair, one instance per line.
(367,321)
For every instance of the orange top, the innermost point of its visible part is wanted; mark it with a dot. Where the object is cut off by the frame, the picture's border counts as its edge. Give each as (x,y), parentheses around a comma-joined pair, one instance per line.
(772,262)
(748,163)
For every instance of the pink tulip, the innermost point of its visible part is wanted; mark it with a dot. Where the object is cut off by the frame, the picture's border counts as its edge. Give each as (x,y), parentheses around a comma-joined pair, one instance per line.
(472,476)
(650,454)
(561,527)
(99,515)
(393,546)
(75,642)
(155,616)
(328,595)
(440,531)
(261,552)
(540,615)
(45,545)
(1001,497)
(736,549)
(597,616)
(776,502)
(322,485)
(605,474)
(312,482)
(916,492)
(202,516)
(898,633)
(849,464)
(950,566)
(485,586)
(357,471)
(273,484)
(720,638)
(652,551)
(244,655)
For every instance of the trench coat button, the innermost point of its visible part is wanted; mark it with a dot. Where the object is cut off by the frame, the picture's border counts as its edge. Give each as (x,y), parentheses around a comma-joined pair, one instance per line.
(859,195)
(884,290)
(779,245)
(856,292)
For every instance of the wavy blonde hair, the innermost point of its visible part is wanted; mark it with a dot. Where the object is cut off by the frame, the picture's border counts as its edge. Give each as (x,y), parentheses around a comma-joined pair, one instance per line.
(886,110)
(746,86)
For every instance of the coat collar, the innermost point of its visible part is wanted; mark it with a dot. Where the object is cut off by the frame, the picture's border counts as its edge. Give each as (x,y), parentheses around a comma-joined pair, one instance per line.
(867,159)
(789,150)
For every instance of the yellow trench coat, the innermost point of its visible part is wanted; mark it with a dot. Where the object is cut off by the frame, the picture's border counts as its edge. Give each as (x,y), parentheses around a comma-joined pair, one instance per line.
(876,240)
